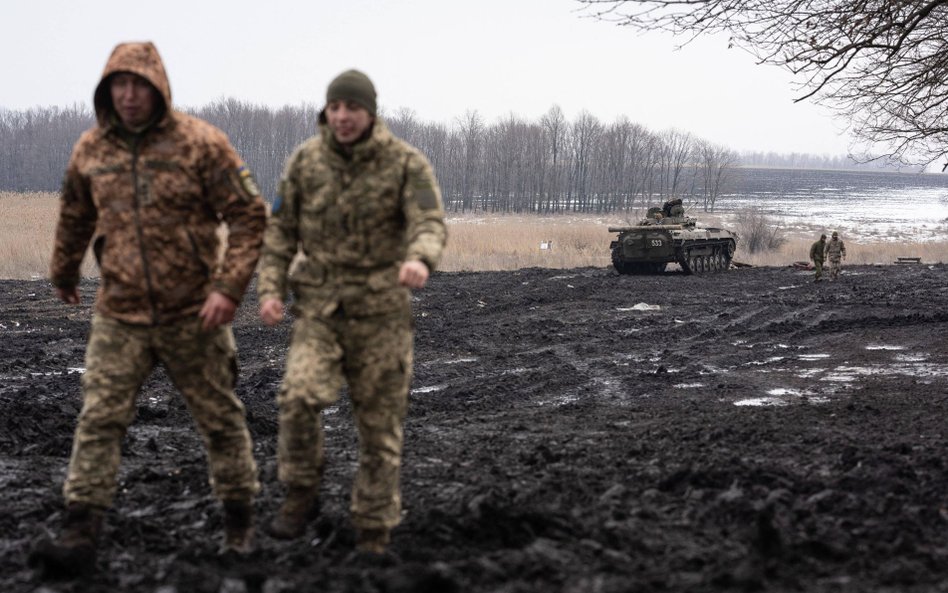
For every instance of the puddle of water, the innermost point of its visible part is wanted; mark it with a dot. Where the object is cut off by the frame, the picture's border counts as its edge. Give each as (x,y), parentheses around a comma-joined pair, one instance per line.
(839,378)
(911,357)
(813,356)
(770,360)
(688,385)
(778,397)
(640,307)
(428,389)
(559,401)
(761,401)
(809,373)
(917,369)
(783,391)
(884,347)
(461,360)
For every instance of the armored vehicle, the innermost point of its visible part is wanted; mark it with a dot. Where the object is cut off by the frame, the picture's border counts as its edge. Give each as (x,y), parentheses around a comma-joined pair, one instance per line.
(666,235)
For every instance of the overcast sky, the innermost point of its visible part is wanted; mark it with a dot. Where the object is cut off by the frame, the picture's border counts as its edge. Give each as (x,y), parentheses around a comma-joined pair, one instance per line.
(437,57)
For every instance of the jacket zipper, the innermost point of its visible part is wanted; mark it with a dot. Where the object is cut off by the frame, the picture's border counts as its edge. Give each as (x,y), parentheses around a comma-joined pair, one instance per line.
(141,234)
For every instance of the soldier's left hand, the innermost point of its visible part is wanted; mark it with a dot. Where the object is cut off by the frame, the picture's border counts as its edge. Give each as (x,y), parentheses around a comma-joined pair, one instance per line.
(413,274)
(218,309)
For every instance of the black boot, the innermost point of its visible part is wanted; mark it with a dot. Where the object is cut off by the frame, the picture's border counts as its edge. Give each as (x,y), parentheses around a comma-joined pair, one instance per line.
(300,507)
(371,549)
(238,526)
(73,552)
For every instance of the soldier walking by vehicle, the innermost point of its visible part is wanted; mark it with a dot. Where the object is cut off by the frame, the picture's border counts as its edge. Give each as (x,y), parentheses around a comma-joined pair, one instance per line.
(364,209)
(817,254)
(149,186)
(835,252)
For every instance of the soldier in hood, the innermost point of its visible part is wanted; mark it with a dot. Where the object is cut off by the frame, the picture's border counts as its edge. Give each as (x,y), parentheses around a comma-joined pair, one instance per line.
(148,187)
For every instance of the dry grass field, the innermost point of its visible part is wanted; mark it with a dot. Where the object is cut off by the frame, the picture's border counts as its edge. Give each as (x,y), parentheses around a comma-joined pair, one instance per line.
(476,241)
(27,226)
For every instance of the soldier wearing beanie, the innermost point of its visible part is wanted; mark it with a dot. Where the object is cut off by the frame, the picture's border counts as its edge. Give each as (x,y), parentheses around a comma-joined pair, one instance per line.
(362,209)
(835,252)
(353,85)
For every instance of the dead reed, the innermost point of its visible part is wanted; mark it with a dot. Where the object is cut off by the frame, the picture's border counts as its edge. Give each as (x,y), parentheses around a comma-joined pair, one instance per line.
(476,242)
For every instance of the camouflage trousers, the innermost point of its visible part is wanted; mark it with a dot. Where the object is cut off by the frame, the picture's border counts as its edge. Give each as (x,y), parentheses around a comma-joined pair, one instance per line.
(374,356)
(818,268)
(835,265)
(202,365)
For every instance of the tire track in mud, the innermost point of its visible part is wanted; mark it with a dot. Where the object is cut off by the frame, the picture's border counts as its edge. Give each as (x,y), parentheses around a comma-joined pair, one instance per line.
(639,480)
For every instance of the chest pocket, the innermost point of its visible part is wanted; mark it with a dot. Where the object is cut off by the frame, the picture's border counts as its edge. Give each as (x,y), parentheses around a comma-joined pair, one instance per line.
(169,184)
(314,201)
(378,203)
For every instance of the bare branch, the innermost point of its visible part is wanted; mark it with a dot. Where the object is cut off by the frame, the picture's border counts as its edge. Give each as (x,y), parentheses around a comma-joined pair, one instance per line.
(881,64)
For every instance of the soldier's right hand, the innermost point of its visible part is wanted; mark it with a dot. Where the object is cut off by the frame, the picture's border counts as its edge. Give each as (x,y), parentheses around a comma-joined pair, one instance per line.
(68,295)
(271,311)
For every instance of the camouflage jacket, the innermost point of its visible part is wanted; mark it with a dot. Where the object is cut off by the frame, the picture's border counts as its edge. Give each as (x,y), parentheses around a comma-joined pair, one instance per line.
(835,249)
(816,250)
(355,219)
(152,205)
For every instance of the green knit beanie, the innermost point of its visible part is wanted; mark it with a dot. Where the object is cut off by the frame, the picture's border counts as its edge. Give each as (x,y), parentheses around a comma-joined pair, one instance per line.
(352,85)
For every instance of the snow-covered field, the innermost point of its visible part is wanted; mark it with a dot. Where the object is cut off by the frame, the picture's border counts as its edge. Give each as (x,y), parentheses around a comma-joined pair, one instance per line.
(867,205)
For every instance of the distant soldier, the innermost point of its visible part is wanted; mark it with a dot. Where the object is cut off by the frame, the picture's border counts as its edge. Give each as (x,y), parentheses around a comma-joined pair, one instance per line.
(835,252)
(148,186)
(817,255)
(364,209)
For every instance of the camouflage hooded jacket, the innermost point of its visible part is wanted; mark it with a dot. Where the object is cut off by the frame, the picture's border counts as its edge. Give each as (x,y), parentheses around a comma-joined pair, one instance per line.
(154,207)
(356,218)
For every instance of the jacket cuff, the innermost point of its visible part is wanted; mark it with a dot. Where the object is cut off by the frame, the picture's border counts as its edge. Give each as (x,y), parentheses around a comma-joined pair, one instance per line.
(229,291)
(64,282)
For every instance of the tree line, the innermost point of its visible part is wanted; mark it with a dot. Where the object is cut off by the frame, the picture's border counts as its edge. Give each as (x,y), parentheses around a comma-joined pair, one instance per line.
(512,165)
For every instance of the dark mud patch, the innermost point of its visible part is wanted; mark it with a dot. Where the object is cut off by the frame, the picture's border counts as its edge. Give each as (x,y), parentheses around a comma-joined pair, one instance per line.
(756,432)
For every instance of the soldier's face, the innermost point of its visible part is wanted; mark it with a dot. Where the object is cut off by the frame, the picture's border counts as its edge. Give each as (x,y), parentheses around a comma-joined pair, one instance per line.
(133,98)
(348,121)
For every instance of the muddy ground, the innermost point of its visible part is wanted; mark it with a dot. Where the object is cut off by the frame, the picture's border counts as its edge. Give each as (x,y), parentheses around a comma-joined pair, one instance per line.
(756,432)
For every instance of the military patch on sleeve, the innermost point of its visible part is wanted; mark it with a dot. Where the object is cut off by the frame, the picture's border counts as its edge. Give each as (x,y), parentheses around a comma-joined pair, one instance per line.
(426,197)
(245,177)
(275,208)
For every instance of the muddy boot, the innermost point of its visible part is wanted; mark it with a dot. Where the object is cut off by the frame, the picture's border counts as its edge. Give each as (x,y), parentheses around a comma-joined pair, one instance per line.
(238,527)
(300,507)
(73,552)
(373,541)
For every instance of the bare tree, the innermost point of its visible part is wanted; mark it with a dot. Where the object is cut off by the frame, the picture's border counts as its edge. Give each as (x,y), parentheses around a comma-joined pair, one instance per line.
(554,129)
(716,165)
(585,133)
(404,124)
(758,232)
(472,129)
(882,64)
(674,157)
